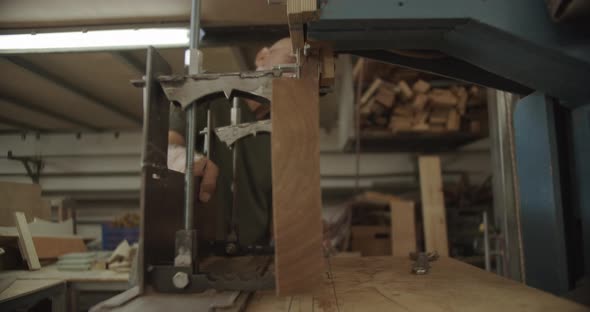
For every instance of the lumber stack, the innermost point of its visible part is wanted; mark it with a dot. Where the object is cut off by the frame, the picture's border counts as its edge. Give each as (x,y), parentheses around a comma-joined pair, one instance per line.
(402,100)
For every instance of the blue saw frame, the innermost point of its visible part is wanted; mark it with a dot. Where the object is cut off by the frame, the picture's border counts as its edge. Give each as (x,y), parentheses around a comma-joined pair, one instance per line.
(512,46)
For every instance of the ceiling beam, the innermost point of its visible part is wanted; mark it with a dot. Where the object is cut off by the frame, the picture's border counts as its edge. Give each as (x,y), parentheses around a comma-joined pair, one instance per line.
(41,72)
(50,113)
(126,58)
(20,124)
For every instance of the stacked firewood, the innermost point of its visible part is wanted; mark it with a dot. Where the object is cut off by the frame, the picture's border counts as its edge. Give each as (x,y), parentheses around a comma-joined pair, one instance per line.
(404,101)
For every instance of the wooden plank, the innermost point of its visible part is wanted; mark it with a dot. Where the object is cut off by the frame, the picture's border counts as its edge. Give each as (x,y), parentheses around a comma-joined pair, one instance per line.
(421,86)
(53,247)
(295,152)
(328,74)
(405,90)
(433,205)
(22,197)
(298,13)
(442,98)
(371,240)
(26,242)
(454,120)
(386,284)
(371,90)
(403,227)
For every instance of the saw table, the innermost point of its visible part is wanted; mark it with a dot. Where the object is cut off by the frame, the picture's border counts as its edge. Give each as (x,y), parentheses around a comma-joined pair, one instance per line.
(382,284)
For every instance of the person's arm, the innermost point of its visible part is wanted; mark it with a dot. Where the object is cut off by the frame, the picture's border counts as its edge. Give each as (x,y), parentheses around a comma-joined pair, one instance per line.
(175,138)
(203,167)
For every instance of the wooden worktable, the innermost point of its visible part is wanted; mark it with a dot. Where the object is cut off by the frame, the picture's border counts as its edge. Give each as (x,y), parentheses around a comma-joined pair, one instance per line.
(386,284)
(29,283)
(51,272)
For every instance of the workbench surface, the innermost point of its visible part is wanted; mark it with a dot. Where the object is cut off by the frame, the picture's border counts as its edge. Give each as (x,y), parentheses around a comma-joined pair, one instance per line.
(51,272)
(21,283)
(20,288)
(386,284)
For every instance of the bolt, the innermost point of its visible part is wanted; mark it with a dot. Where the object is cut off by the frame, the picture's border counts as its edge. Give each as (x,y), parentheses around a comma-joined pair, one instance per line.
(306,48)
(231,248)
(180,280)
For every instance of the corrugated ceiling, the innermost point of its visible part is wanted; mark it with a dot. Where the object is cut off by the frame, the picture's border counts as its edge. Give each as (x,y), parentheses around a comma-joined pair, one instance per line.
(71,13)
(87,91)
(83,91)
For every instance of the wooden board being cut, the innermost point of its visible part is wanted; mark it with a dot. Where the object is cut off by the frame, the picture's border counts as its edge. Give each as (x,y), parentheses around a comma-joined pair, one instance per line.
(378,284)
(433,205)
(296,195)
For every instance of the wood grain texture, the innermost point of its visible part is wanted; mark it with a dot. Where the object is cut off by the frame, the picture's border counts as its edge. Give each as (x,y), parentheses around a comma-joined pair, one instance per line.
(299,262)
(53,247)
(433,205)
(370,284)
(403,227)
(22,197)
(25,241)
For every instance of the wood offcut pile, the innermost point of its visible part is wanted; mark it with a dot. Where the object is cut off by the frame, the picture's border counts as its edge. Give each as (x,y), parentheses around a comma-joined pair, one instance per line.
(398,100)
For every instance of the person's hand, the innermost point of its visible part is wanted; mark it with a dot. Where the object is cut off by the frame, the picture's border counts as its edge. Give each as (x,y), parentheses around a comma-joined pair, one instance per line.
(203,167)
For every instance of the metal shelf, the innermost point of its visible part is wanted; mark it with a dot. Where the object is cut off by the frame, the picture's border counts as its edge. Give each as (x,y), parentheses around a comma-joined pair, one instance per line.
(421,142)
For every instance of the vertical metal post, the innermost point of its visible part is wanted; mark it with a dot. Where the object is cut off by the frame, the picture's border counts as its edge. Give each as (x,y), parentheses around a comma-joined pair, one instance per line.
(581,175)
(186,240)
(195,30)
(189,178)
(486,242)
(235,119)
(233,236)
(506,210)
(541,206)
(191,126)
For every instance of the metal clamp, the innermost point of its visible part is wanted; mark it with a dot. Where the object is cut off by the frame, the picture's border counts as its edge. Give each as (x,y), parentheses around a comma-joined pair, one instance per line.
(422,260)
(231,134)
(256,85)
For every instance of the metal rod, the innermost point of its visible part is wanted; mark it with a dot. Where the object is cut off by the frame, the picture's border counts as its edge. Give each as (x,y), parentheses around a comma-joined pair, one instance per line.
(486,242)
(357,128)
(195,30)
(235,119)
(189,179)
(191,127)
(208,134)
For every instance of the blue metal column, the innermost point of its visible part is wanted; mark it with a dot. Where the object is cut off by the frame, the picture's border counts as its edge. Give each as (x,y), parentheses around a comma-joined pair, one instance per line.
(541,208)
(581,138)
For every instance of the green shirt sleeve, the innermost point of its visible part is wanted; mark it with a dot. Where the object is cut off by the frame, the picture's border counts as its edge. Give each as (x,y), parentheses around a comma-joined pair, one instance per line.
(177,120)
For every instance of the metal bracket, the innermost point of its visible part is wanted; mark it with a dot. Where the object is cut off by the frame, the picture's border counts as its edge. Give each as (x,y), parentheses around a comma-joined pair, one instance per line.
(231,134)
(37,163)
(163,280)
(254,85)
(423,259)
